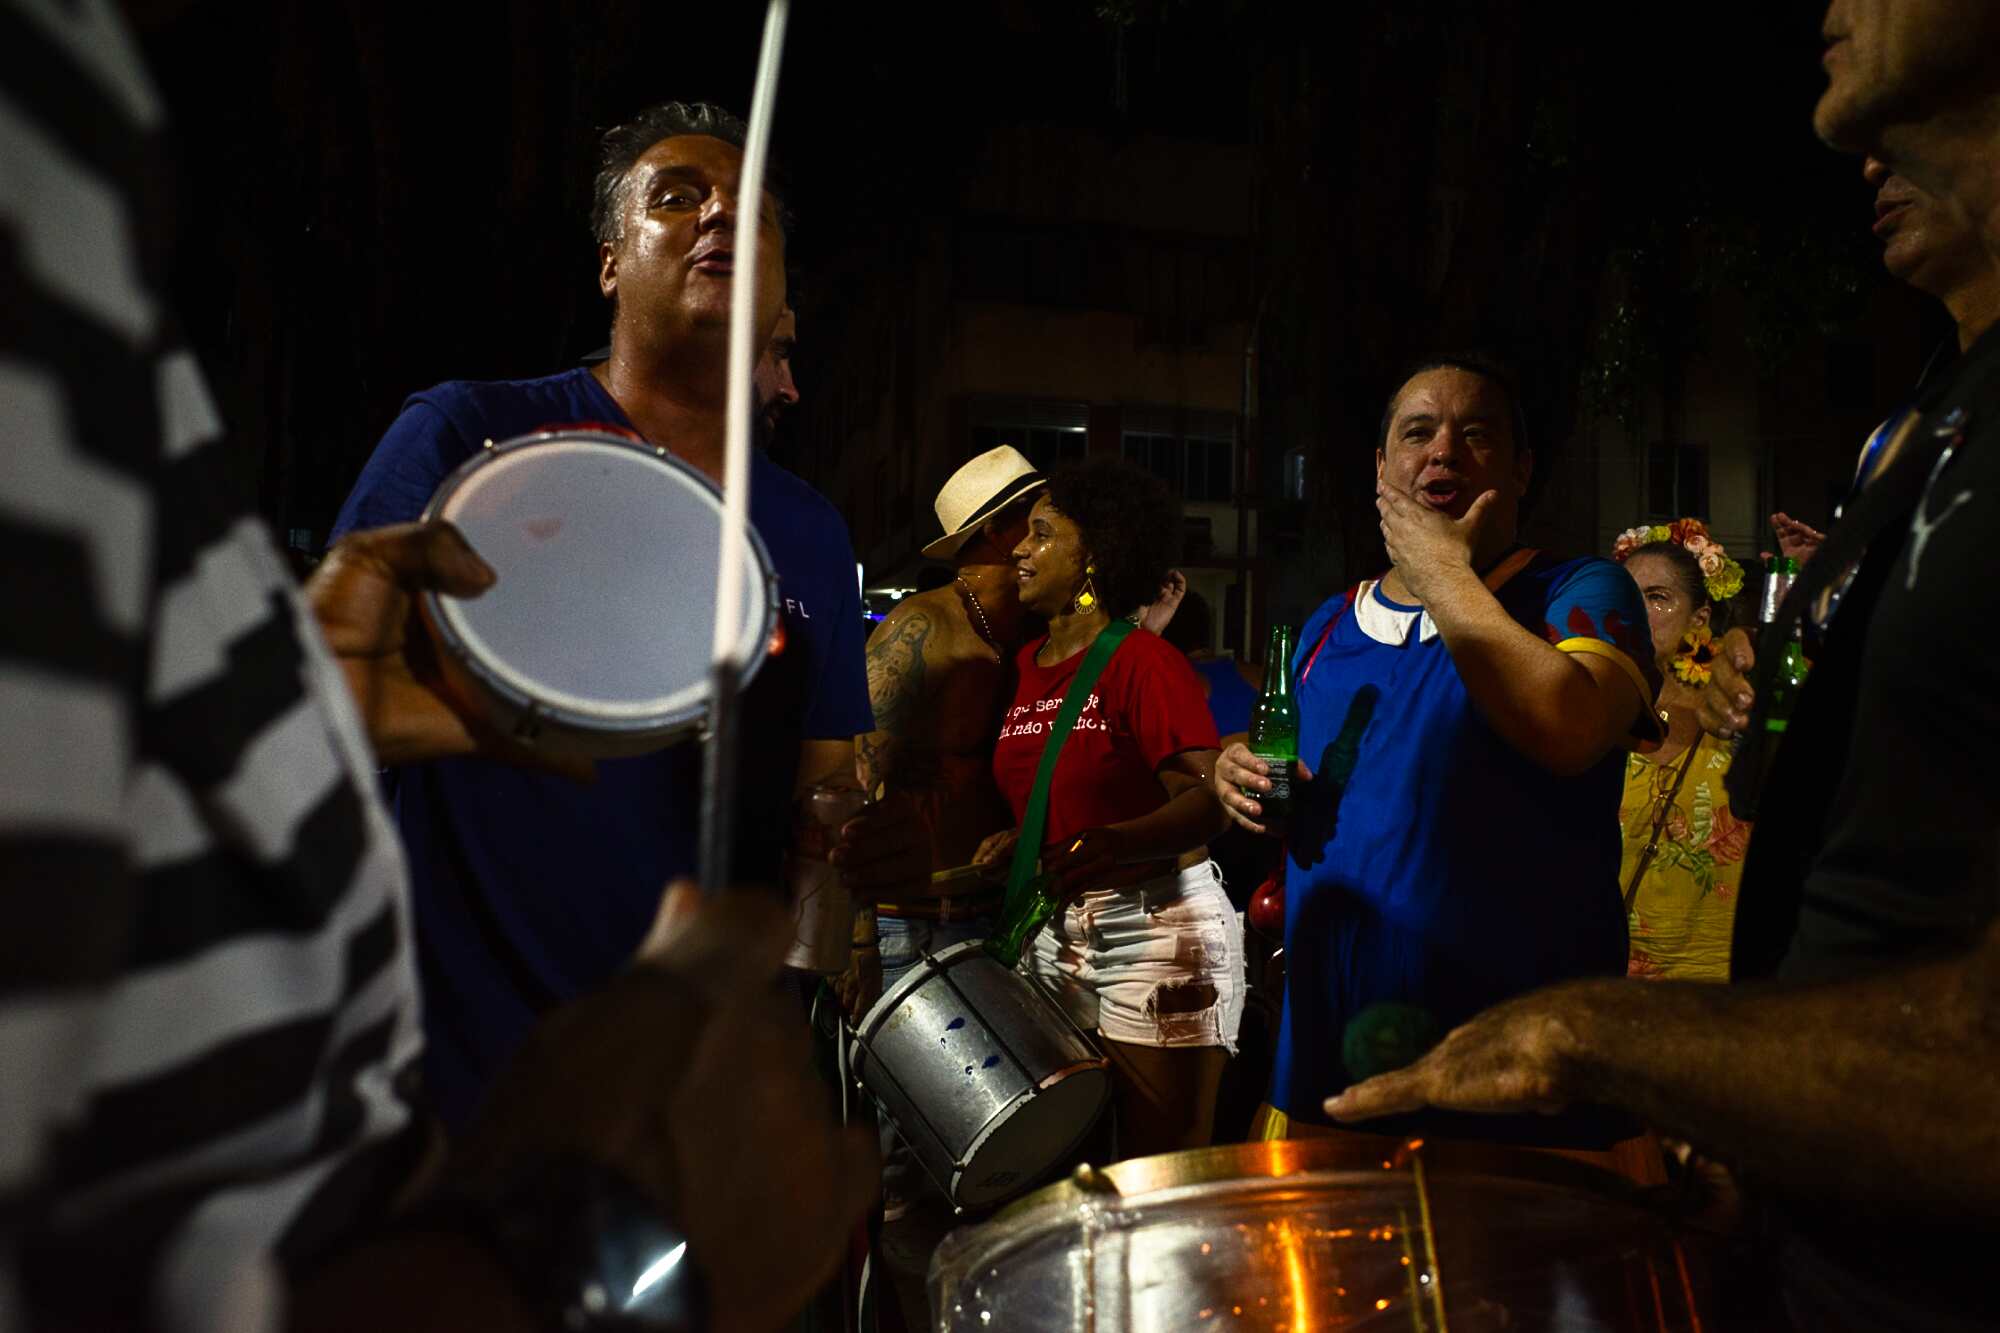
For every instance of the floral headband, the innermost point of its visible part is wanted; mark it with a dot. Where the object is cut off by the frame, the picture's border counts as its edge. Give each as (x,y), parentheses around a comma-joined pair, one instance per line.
(1721,576)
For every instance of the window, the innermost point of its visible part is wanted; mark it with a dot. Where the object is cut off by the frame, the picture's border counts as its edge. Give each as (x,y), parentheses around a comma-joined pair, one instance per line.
(1193,452)
(1676,481)
(1050,434)
(1210,464)
(1158,454)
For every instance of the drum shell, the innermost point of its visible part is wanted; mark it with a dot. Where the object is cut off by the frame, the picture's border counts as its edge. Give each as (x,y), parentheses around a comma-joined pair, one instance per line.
(1325,1234)
(961,1045)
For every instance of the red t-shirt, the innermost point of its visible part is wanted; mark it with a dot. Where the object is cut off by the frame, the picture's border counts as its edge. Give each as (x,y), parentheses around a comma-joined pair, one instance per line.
(1147,707)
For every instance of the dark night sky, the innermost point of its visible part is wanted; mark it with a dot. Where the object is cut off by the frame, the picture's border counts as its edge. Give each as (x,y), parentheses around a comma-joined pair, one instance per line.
(379,197)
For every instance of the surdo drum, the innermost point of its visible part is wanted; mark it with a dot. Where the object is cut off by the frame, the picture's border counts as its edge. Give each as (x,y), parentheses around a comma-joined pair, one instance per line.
(595,638)
(985,1077)
(1315,1234)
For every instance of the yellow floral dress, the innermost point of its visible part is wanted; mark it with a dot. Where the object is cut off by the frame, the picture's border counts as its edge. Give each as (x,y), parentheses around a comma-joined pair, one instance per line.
(1685,909)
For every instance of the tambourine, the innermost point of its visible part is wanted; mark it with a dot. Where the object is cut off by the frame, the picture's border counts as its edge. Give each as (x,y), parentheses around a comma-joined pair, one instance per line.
(595,638)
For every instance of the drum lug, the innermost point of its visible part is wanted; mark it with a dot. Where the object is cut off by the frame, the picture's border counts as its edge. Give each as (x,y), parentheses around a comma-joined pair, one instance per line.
(1092,1181)
(528,726)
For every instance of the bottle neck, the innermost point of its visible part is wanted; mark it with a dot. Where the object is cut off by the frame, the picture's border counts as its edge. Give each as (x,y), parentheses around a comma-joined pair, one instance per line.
(1278,664)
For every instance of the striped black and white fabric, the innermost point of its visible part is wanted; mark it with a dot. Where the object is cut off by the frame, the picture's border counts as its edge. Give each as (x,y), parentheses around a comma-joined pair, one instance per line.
(206,988)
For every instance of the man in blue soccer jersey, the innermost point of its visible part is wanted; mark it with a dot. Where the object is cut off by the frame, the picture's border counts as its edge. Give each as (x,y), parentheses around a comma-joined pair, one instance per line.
(530,888)
(1462,721)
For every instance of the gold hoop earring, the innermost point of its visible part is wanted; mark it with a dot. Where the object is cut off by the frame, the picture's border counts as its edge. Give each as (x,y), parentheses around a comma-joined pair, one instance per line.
(1086,596)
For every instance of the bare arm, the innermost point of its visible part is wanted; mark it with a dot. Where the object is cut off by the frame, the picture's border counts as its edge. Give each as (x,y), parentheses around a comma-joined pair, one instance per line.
(829,762)
(1563,710)
(1879,1089)
(893,752)
(1190,817)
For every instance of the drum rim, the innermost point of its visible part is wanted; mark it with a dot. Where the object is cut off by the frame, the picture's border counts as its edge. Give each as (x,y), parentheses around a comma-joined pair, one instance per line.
(443,619)
(1101,1066)
(1165,1176)
(920,971)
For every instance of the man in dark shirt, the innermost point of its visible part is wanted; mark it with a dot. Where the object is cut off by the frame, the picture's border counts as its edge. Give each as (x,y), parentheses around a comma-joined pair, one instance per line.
(1854,1090)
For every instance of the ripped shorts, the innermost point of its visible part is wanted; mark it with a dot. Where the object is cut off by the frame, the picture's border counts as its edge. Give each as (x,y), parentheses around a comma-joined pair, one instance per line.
(1155,964)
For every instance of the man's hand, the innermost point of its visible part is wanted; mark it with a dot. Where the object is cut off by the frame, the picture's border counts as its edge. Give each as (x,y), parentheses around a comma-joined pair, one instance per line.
(691,1075)
(1157,614)
(1424,544)
(1518,1056)
(1236,769)
(364,597)
(1727,699)
(1796,539)
(885,851)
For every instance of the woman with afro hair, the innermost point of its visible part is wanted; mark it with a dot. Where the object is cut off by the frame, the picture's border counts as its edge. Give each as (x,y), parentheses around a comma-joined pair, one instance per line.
(1147,949)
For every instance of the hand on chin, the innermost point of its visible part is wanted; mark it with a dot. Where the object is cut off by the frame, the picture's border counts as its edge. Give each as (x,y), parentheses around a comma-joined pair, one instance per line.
(1426,543)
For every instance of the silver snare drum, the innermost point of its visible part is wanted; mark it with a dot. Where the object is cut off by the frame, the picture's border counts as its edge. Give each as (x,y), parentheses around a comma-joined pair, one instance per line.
(984,1075)
(1326,1234)
(595,638)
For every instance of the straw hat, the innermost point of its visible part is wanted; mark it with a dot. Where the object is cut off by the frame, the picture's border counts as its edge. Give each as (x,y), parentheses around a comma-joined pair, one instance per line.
(978,491)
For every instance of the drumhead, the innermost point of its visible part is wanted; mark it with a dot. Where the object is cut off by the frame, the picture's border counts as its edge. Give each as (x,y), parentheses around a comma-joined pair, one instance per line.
(1024,1138)
(602,612)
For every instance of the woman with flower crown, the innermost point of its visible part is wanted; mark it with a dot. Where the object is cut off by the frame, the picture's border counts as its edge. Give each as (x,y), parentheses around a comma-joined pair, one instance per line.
(1683,850)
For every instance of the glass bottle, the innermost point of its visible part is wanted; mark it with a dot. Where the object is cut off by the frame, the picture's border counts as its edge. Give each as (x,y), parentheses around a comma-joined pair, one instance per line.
(1274,727)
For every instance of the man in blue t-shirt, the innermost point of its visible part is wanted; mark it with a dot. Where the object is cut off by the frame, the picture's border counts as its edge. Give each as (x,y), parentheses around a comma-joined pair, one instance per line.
(1465,716)
(529,888)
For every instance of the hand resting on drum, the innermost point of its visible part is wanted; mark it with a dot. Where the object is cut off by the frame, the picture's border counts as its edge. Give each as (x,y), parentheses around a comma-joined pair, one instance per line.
(364,597)
(1514,1057)
(1891,1076)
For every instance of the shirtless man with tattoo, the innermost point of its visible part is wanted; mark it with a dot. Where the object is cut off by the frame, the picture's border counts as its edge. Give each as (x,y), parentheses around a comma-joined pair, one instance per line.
(939,674)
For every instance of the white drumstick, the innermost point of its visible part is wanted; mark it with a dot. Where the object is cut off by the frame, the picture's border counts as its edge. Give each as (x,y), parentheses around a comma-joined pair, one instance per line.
(728,654)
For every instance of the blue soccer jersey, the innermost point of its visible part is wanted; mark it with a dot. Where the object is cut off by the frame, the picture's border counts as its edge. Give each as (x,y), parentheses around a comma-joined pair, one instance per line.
(1448,871)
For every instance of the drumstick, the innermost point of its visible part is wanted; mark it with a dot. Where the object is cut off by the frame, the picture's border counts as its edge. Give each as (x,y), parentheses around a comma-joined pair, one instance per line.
(717,812)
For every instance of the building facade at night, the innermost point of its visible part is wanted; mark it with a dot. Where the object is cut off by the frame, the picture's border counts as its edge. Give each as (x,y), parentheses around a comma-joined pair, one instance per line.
(1070,304)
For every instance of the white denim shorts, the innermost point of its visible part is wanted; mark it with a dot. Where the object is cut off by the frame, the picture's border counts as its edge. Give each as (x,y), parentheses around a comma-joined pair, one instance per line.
(1116,957)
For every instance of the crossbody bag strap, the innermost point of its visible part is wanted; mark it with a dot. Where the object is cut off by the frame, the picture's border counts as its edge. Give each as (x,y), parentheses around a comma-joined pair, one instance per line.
(1036,817)
(1660,818)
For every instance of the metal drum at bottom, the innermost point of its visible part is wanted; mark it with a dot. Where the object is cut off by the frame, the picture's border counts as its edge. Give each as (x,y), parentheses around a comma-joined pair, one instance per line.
(984,1075)
(1313,1234)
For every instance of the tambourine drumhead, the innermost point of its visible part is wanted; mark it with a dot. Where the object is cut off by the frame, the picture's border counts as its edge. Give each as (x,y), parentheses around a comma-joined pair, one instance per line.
(600,622)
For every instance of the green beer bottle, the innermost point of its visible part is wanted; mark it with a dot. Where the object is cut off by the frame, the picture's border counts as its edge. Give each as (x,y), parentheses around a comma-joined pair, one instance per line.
(1036,907)
(1791,673)
(1785,685)
(1274,727)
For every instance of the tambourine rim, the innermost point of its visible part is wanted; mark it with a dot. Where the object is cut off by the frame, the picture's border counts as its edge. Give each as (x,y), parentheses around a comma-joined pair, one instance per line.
(442,617)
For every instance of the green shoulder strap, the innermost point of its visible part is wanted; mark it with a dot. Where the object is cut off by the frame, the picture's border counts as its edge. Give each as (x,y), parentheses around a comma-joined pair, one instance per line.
(1036,817)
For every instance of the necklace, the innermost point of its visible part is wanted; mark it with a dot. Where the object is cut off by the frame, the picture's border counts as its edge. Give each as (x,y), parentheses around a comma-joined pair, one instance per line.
(979,615)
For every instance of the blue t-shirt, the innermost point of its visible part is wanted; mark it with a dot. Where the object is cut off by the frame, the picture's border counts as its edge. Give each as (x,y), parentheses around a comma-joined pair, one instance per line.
(530,889)
(1230,697)
(1450,871)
